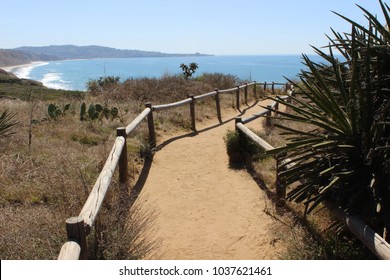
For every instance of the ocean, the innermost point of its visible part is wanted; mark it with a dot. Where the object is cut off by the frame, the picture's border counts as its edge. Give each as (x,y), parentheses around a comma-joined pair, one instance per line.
(75,74)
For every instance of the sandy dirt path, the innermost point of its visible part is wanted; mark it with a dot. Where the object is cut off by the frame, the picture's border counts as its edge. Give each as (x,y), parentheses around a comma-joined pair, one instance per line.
(206,210)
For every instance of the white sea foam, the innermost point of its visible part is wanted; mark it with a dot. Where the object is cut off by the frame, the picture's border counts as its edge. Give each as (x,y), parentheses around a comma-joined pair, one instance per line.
(23,71)
(53,80)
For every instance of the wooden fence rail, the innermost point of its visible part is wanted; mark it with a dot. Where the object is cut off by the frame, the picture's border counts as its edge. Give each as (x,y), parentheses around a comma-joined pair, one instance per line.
(363,232)
(95,198)
(79,227)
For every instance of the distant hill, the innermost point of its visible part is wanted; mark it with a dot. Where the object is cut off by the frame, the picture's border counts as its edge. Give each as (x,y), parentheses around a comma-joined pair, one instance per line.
(24,55)
(88,52)
(14,57)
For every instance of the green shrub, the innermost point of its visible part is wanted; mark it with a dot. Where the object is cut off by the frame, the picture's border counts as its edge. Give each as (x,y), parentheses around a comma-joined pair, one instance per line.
(56,111)
(240,149)
(97,111)
(345,157)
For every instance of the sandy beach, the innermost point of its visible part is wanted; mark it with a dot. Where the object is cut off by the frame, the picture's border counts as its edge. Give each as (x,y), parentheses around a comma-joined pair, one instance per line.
(22,71)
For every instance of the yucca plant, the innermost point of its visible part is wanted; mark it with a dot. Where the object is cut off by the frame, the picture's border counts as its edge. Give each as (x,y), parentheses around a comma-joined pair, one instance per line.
(7,122)
(345,157)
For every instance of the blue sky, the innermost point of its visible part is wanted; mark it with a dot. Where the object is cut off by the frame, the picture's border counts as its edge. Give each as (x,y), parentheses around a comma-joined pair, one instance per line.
(219,27)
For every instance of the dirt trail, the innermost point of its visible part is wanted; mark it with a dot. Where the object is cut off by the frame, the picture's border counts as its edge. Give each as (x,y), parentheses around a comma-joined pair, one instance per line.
(205,210)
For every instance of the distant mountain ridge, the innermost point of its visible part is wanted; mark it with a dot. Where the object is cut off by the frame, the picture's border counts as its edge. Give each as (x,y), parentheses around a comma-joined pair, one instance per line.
(26,54)
(90,52)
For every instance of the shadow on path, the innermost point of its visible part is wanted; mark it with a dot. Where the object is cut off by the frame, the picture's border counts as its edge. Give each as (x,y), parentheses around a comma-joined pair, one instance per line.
(136,190)
(192,134)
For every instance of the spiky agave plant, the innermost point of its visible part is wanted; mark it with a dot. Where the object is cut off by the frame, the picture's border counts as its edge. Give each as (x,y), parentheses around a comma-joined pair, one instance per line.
(6,123)
(346,157)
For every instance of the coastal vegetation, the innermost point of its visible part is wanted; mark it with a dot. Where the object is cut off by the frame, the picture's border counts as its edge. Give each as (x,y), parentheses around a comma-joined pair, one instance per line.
(11,87)
(343,156)
(58,145)
(188,70)
(335,132)
(333,138)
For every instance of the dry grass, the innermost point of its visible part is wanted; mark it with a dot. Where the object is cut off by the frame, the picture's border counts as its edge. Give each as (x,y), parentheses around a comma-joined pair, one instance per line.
(48,167)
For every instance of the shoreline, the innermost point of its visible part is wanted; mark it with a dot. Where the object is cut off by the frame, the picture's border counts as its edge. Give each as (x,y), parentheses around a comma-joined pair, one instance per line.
(13,68)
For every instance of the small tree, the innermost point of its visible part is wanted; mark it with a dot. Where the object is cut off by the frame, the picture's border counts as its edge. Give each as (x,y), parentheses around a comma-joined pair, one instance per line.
(188,70)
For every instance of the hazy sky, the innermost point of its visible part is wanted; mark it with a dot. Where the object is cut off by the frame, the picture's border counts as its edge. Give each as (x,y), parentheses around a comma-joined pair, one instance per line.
(177,26)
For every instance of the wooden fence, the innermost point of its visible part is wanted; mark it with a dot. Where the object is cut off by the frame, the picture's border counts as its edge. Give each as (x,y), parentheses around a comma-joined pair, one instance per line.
(77,228)
(369,237)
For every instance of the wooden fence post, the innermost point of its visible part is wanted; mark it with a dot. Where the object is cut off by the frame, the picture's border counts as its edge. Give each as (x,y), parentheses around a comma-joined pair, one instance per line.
(254,90)
(152,133)
(218,105)
(241,135)
(246,93)
(280,186)
(286,87)
(75,231)
(273,88)
(238,98)
(237,120)
(268,116)
(265,86)
(123,169)
(192,112)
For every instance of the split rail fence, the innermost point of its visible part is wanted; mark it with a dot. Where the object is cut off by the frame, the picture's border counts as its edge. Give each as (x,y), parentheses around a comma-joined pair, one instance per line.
(79,227)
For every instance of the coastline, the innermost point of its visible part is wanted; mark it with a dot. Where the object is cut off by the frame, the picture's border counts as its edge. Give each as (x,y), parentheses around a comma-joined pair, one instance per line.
(23,71)
(74,74)
(14,68)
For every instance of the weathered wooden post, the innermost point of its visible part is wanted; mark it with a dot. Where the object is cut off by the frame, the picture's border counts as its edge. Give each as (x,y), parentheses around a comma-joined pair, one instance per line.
(236,121)
(70,251)
(273,88)
(240,134)
(75,231)
(123,168)
(246,93)
(268,116)
(152,133)
(289,91)
(238,98)
(280,185)
(218,105)
(265,86)
(254,90)
(192,112)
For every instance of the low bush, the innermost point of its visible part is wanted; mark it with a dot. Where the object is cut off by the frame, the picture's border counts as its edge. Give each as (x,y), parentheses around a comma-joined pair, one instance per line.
(240,149)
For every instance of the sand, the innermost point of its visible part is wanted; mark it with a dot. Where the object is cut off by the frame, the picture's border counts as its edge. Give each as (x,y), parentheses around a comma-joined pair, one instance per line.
(205,209)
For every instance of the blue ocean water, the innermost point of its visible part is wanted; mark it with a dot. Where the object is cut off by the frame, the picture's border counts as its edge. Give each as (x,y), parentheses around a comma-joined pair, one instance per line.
(74,74)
